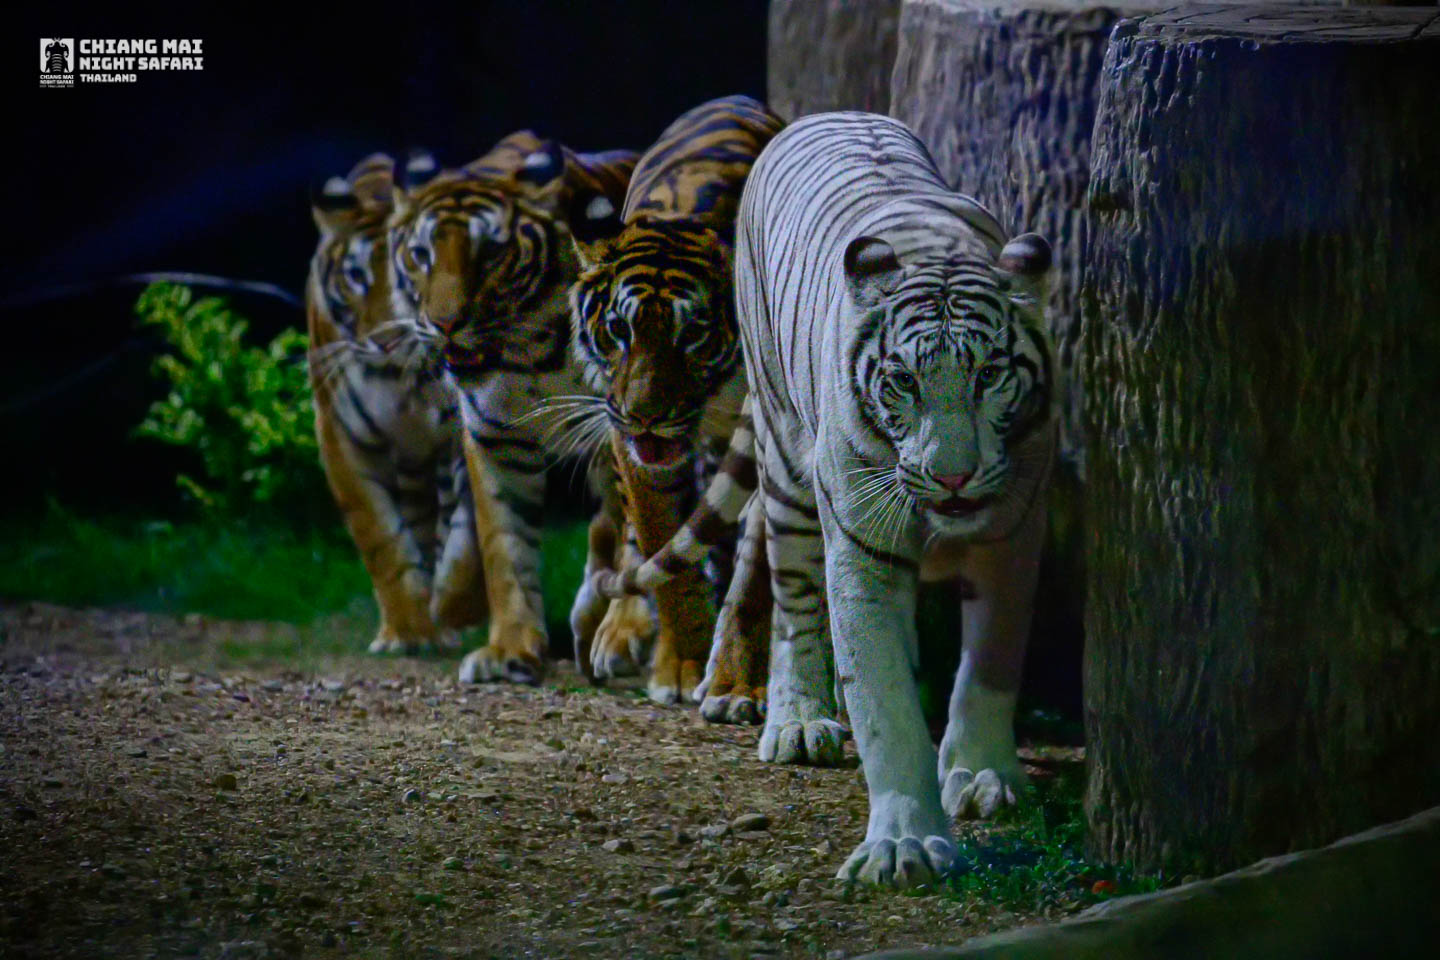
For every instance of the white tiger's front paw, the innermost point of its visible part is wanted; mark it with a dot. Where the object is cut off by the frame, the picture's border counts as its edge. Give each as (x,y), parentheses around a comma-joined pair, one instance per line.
(966,794)
(820,743)
(905,861)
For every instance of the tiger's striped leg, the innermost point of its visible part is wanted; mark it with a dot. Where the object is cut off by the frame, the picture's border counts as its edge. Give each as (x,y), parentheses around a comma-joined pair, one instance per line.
(609,635)
(626,634)
(458,595)
(979,771)
(871,596)
(507,483)
(373,515)
(657,504)
(800,724)
(735,677)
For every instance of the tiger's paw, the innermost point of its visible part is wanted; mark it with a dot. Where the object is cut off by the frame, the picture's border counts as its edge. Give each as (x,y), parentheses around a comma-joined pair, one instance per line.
(966,794)
(902,862)
(622,639)
(738,704)
(673,680)
(514,656)
(388,641)
(819,743)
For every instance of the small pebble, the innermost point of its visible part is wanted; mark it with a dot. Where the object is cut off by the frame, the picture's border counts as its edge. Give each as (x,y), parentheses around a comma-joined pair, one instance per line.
(413,796)
(666,891)
(715,831)
(227,781)
(619,845)
(748,822)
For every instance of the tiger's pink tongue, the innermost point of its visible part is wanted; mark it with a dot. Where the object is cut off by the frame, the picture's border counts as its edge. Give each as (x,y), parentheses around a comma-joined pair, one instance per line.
(652,450)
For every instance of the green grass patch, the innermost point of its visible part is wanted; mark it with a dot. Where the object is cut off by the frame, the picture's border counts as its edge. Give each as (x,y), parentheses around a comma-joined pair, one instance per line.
(253,568)
(1032,859)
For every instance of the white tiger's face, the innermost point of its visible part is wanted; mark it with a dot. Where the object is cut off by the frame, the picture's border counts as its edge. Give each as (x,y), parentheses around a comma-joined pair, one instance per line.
(951,373)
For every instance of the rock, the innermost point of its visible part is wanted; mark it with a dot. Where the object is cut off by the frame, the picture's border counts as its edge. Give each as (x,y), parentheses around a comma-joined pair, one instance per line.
(181,676)
(715,831)
(332,686)
(453,863)
(737,878)
(666,891)
(227,781)
(273,686)
(749,822)
(614,778)
(413,796)
(618,845)
(134,751)
(244,950)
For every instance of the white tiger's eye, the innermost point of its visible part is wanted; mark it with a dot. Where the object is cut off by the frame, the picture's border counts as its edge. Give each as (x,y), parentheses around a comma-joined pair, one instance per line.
(987,375)
(903,380)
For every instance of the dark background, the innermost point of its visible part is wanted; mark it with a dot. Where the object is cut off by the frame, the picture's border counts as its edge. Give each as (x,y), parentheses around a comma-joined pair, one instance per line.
(210,171)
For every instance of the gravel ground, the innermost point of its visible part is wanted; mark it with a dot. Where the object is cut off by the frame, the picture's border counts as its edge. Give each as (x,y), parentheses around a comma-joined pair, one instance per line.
(157,801)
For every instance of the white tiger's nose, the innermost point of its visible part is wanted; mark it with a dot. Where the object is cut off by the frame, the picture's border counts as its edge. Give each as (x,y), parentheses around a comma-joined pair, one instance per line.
(954,481)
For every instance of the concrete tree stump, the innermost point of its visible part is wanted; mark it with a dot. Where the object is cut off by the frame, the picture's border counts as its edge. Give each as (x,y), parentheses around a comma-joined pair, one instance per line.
(830,55)
(1262,371)
(1003,93)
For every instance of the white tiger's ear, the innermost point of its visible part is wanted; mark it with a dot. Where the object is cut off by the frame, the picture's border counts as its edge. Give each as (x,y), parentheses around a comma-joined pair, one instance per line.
(334,206)
(1026,260)
(871,269)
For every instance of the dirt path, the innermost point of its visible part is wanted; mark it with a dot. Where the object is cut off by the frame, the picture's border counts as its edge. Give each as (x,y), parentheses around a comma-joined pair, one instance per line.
(154,802)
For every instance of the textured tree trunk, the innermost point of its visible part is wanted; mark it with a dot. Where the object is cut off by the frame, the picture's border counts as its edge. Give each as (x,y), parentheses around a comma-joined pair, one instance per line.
(830,55)
(1262,340)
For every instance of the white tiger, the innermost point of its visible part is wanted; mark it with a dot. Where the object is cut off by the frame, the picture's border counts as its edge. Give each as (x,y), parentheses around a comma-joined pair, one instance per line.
(903,404)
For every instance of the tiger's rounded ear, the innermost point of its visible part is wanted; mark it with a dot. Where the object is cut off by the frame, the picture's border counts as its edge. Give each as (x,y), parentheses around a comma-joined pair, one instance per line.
(1028,255)
(871,268)
(543,165)
(420,168)
(333,205)
(1027,260)
(594,223)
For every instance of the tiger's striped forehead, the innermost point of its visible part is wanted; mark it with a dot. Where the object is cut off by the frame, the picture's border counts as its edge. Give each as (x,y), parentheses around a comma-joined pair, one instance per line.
(658,265)
(957,305)
(479,207)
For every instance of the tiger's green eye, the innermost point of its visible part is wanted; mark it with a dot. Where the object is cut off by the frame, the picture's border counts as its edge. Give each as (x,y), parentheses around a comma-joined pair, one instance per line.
(904,380)
(987,375)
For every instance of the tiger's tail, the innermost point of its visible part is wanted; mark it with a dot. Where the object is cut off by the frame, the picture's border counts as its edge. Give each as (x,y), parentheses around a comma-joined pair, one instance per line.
(714,518)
